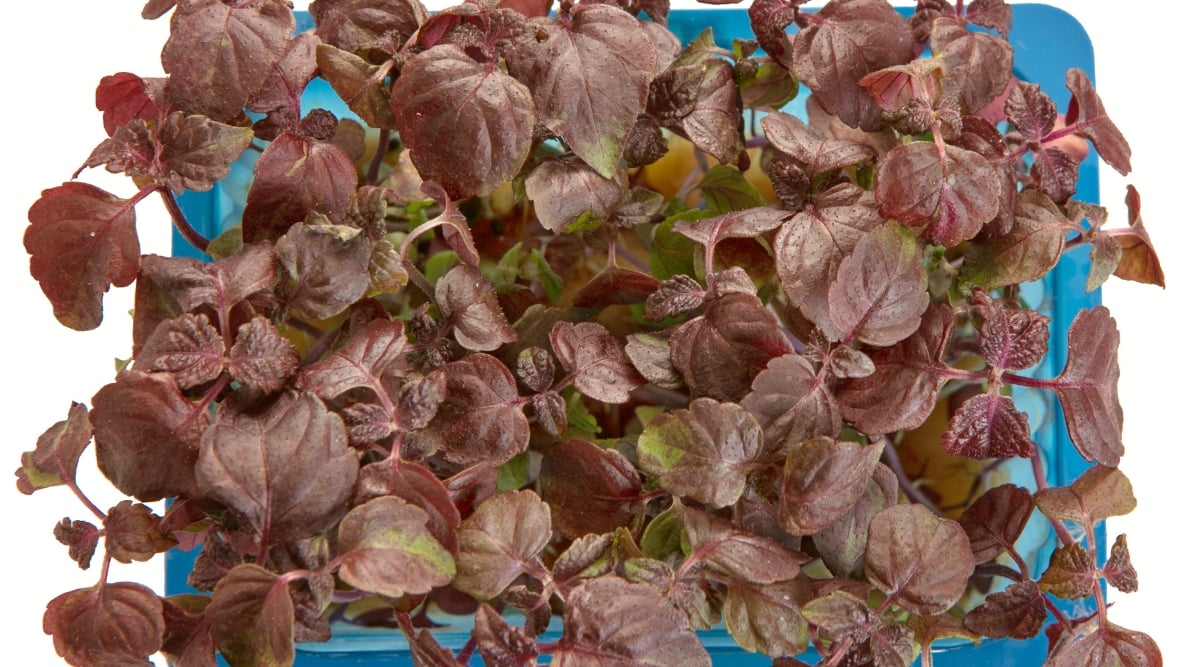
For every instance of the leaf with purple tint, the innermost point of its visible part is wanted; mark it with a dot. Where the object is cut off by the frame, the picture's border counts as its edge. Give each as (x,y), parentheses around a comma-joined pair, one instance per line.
(1109,645)
(1055,173)
(708,110)
(738,553)
(565,190)
(1070,575)
(1010,338)
(358,83)
(721,352)
(791,403)
(590,78)
(1027,252)
(995,521)
(1118,569)
(1088,118)
(589,489)
(196,151)
(704,452)
(295,176)
(261,358)
(416,485)
(1030,111)
(615,285)
(948,194)
(481,419)
(1087,387)
(469,302)
(841,544)
(880,293)
(770,19)
(811,244)
(1099,493)
(743,224)
(822,480)
(54,460)
(252,618)
(500,644)
(219,55)
(359,25)
(988,426)
(108,624)
(124,97)
(374,357)
(1139,261)
(766,618)
(808,146)
(924,561)
(133,532)
(1017,611)
(448,106)
(325,268)
(978,65)
(147,436)
(286,471)
(849,40)
(385,548)
(499,540)
(80,538)
(611,621)
(188,347)
(904,388)
(595,361)
(81,241)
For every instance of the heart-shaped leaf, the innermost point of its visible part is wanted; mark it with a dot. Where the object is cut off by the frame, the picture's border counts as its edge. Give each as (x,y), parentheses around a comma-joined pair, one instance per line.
(766,618)
(1109,645)
(822,480)
(498,540)
(923,560)
(792,404)
(252,618)
(468,301)
(988,426)
(359,25)
(589,489)
(1099,493)
(995,521)
(566,190)
(374,357)
(261,358)
(738,553)
(880,292)
(196,151)
(384,547)
(109,624)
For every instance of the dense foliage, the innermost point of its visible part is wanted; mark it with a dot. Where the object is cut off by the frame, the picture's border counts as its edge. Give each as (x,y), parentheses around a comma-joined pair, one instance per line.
(571,319)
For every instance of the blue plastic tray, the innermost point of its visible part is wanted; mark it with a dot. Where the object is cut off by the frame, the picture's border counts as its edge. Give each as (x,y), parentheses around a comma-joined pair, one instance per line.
(1046,42)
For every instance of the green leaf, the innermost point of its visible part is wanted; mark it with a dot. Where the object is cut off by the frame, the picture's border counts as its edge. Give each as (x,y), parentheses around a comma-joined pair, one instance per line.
(726,189)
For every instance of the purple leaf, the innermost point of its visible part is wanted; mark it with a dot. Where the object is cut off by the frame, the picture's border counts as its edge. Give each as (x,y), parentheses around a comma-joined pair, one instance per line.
(743,224)
(611,621)
(675,296)
(988,426)
(80,538)
(1010,338)
(903,390)
(133,532)
(589,489)
(721,352)
(766,618)
(839,613)
(359,25)
(978,65)
(1118,569)
(188,284)
(252,617)
(770,19)
(81,241)
(286,471)
(808,146)
(1109,645)
(948,194)
(108,624)
(325,268)
(573,74)
(615,285)
(295,176)
(1087,387)
(147,436)
(995,521)
(1031,111)
(499,540)
(1139,260)
(1071,573)
(1026,253)
(823,479)
(993,14)
(1056,173)
(448,106)
(1087,115)
(1017,611)
(261,358)
(713,120)
(792,403)
(54,460)
(566,190)
(880,293)
(842,543)
(740,554)
(289,77)
(500,644)
(385,548)
(468,301)
(651,355)
(196,151)
(849,40)
(219,55)
(188,347)
(595,361)
(924,561)
(416,485)
(811,245)
(186,641)
(704,452)
(1099,493)
(374,358)
(358,82)
(124,97)
(481,419)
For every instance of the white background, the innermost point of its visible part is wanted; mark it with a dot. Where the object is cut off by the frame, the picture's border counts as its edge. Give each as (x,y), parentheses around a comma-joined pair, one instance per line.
(56,52)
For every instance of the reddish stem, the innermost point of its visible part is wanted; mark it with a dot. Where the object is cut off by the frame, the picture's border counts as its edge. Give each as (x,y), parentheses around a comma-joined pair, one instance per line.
(189,233)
